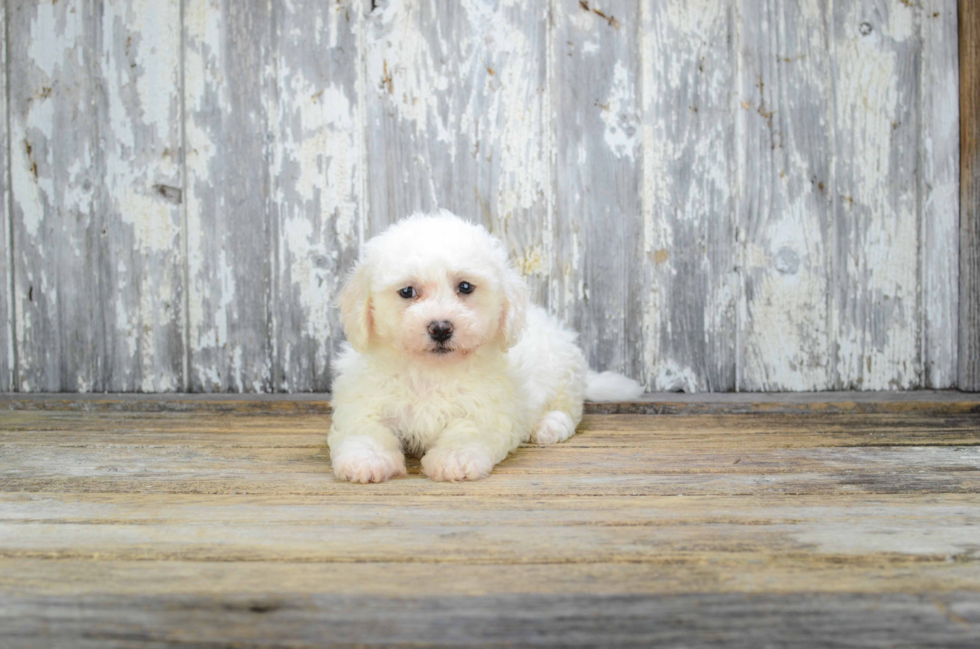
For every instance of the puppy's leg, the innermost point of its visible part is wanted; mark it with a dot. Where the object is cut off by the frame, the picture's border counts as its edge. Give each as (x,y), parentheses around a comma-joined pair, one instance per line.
(554,370)
(465,453)
(555,426)
(559,420)
(365,452)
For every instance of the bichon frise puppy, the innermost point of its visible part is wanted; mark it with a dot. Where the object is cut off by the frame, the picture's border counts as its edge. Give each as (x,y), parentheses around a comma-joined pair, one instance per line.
(447,360)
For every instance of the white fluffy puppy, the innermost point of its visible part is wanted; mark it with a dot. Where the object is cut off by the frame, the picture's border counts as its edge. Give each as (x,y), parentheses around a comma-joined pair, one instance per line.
(447,360)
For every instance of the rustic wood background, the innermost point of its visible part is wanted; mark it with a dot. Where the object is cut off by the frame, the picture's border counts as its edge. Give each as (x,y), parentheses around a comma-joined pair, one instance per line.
(719,195)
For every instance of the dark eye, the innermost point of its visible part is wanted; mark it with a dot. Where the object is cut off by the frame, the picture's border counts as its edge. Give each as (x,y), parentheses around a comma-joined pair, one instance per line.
(408,292)
(465,288)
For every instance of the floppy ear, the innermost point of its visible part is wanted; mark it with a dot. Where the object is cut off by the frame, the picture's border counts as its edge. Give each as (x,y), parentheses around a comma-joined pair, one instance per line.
(355,308)
(514,307)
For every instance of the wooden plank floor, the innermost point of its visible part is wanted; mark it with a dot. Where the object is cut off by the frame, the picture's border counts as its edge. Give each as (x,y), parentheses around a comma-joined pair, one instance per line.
(834,521)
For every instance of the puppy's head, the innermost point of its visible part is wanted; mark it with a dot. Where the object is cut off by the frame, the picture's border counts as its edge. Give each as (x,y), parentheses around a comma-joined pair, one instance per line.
(434,287)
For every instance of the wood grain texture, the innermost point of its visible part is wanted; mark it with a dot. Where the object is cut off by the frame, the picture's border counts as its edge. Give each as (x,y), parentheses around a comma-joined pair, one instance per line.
(614,455)
(923,402)
(458,118)
(718,196)
(317,198)
(95,107)
(689,274)
(7,357)
(969,232)
(140,142)
(230,233)
(56,185)
(601,530)
(939,176)
(598,174)
(875,69)
(785,202)
(477,620)
(146,528)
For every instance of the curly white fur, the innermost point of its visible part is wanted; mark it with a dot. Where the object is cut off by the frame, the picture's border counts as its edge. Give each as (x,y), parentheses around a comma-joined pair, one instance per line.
(508,373)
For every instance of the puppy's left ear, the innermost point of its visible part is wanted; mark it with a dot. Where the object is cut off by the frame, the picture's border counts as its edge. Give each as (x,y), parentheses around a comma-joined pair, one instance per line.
(355,308)
(514,308)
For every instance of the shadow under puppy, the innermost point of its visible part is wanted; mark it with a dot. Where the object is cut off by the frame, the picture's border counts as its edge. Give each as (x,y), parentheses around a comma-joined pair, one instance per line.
(447,360)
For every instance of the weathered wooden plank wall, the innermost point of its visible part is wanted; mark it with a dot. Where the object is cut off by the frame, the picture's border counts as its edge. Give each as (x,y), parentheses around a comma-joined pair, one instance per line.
(719,195)
(969,331)
(785,216)
(7,350)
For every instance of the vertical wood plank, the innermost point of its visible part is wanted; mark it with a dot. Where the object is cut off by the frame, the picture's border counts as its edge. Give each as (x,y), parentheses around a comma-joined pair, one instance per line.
(689,280)
(785,149)
(969,284)
(7,363)
(876,303)
(316,176)
(56,173)
(598,172)
(458,110)
(95,112)
(140,194)
(939,192)
(231,241)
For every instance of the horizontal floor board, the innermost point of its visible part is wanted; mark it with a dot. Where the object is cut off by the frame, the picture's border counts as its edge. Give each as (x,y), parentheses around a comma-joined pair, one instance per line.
(553,620)
(153,522)
(25,577)
(489,530)
(923,401)
(595,430)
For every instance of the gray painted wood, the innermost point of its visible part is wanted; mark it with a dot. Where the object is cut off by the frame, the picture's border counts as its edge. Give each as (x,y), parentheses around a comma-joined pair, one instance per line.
(7,361)
(139,130)
(189,182)
(94,109)
(875,70)
(459,118)
(56,181)
(939,176)
(690,254)
(598,172)
(784,114)
(749,620)
(969,284)
(317,199)
(230,233)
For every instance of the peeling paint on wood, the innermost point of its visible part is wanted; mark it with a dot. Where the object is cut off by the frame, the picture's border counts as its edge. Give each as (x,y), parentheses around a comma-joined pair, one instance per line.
(718,196)
(598,173)
(317,179)
(95,111)
(785,148)
(7,362)
(54,158)
(939,176)
(139,138)
(877,254)
(689,306)
(969,243)
(458,114)
(229,97)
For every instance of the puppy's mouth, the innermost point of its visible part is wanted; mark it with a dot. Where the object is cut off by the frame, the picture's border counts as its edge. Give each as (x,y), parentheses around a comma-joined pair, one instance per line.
(445,349)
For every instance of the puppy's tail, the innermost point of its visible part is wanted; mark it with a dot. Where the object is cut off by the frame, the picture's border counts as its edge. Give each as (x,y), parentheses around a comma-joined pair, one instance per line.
(609,386)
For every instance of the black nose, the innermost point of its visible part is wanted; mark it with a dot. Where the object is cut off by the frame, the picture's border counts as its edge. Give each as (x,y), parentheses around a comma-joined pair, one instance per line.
(441,331)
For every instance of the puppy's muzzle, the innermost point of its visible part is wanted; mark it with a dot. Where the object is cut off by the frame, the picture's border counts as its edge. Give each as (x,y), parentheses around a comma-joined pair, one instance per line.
(440,331)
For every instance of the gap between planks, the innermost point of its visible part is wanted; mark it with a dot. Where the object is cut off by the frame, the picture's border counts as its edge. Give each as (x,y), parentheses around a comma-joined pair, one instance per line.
(671,403)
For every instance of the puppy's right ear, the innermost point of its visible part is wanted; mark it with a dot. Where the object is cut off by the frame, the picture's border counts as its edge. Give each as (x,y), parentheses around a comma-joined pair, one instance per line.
(355,308)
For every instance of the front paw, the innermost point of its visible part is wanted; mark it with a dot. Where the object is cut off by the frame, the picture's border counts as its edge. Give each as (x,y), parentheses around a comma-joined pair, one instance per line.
(454,464)
(365,461)
(556,426)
